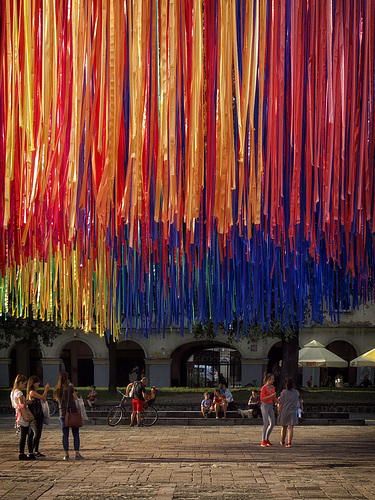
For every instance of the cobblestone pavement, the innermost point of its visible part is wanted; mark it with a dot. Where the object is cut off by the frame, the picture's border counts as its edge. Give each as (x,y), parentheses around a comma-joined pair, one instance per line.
(193,463)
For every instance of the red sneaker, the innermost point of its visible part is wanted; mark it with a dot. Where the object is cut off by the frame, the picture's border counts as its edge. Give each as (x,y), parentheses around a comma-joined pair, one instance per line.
(268,442)
(263,444)
(282,443)
(288,445)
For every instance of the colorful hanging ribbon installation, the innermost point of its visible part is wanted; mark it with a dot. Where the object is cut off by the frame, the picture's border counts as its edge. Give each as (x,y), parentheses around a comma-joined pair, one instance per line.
(168,162)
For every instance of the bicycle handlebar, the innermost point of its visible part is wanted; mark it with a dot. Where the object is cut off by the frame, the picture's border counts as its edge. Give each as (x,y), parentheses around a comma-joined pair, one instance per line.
(122,394)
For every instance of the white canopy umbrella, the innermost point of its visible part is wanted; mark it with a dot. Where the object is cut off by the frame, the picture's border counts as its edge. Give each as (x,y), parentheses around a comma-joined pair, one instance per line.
(315,355)
(366,359)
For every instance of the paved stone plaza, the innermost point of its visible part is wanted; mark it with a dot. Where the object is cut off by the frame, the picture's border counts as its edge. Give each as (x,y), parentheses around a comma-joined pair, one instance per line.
(193,463)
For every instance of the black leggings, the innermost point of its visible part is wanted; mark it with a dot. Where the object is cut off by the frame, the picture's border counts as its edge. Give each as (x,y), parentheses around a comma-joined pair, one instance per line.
(26,432)
(38,425)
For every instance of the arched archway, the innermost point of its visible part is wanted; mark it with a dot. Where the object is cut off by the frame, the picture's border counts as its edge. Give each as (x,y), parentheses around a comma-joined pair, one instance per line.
(77,358)
(26,359)
(345,351)
(205,364)
(130,362)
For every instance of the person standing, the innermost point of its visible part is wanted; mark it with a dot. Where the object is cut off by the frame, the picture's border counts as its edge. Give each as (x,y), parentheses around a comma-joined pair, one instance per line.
(268,397)
(288,417)
(36,409)
(138,388)
(65,394)
(18,401)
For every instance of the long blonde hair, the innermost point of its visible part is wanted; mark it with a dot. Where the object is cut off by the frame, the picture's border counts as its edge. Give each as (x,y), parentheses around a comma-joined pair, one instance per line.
(61,386)
(19,379)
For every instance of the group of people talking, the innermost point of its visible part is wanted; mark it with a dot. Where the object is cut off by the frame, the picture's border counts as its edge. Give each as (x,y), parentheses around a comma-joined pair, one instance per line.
(63,392)
(288,407)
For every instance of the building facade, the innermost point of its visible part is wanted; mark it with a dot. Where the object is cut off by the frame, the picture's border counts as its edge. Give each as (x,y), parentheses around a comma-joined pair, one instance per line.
(175,360)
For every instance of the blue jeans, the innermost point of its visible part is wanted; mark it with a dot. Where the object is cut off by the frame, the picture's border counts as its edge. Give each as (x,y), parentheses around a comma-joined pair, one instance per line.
(65,437)
(268,420)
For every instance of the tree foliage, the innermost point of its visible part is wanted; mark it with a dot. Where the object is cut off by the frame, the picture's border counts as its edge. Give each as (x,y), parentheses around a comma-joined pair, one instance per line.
(29,330)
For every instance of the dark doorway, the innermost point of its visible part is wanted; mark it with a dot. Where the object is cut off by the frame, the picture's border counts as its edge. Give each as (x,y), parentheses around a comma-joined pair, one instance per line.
(130,363)
(66,359)
(26,359)
(85,372)
(77,358)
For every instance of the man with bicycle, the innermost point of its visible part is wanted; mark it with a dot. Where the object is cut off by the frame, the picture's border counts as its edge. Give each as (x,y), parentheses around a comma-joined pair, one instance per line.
(137,390)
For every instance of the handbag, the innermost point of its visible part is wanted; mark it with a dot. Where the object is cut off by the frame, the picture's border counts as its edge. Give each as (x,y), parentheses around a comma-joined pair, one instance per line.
(72,418)
(46,415)
(81,407)
(26,414)
(36,408)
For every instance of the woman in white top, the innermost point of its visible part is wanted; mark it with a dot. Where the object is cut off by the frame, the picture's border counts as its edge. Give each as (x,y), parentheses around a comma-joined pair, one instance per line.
(18,402)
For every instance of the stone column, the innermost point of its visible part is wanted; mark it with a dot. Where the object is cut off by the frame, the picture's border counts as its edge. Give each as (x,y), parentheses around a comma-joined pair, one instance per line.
(4,372)
(51,370)
(158,371)
(252,371)
(101,372)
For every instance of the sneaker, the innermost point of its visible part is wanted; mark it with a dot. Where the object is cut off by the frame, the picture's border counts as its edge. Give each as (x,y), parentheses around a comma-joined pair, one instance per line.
(79,457)
(288,445)
(282,443)
(131,425)
(66,457)
(263,444)
(31,456)
(39,455)
(268,443)
(23,456)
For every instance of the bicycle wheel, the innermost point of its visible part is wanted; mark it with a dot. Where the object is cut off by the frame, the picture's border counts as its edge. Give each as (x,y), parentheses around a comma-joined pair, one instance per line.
(114,416)
(126,414)
(52,407)
(149,416)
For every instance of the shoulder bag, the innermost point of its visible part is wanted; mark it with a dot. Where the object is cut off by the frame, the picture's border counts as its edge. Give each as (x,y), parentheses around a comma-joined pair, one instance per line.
(36,408)
(26,414)
(72,418)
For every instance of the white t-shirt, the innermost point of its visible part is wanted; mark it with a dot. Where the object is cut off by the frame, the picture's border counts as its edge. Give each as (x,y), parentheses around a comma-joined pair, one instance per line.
(228,395)
(17,399)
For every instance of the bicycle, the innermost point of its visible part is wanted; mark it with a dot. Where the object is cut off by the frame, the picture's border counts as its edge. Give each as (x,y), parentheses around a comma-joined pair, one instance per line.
(123,411)
(53,406)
